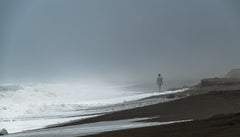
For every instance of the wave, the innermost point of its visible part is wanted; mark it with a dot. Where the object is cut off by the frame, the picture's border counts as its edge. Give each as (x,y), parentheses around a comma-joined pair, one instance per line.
(37,100)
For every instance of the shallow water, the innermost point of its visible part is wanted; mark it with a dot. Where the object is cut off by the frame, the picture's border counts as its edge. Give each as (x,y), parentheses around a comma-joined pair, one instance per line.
(92,128)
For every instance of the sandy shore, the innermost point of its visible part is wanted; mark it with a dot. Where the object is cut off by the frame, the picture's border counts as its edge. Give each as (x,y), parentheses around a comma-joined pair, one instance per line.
(222,102)
(195,107)
(215,111)
(217,126)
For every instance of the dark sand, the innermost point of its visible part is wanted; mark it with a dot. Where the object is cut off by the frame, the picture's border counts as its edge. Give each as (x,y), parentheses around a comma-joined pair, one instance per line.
(218,126)
(220,101)
(193,107)
(217,103)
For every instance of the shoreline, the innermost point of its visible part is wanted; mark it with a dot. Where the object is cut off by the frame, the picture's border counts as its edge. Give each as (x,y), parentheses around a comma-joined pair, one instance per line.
(193,107)
(221,113)
(225,125)
(198,103)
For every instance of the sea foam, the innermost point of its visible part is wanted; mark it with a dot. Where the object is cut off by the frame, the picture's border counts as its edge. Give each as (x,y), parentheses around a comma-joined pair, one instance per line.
(38,100)
(56,103)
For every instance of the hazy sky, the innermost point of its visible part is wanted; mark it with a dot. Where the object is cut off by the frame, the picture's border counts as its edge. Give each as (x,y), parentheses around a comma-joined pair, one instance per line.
(124,39)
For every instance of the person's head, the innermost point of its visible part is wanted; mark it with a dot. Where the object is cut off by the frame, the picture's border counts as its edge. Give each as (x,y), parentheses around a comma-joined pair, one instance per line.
(159,75)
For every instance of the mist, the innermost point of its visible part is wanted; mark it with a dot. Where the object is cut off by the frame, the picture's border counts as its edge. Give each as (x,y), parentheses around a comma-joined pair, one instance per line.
(127,40)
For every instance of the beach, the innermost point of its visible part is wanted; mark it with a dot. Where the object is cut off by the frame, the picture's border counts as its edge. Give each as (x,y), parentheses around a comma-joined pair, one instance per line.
(210,113)
(216,126)
(119,68)
(200,110)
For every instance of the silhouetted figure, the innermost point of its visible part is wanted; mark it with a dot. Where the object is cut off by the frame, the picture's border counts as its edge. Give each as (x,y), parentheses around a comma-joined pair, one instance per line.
(159,82)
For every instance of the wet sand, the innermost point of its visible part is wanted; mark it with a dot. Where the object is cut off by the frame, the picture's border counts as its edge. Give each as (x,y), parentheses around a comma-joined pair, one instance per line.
(198,107)
(193,107)
(214,109)
(217,126)
(224,105)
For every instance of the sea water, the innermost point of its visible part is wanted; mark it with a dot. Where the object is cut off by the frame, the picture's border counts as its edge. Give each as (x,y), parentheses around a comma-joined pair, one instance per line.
(92,128)
(33,106)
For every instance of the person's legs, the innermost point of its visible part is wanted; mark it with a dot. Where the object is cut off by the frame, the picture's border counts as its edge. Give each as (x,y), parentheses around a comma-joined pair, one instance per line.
(159,87)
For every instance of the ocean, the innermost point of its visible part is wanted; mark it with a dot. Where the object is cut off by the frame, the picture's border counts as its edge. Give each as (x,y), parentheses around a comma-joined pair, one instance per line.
(33,106)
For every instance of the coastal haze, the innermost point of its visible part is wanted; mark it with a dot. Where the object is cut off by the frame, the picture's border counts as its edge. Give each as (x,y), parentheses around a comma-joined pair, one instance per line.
(71,65)
(123,41)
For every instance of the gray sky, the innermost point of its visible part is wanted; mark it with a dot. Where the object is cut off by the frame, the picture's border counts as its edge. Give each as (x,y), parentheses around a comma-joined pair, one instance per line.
(124,39)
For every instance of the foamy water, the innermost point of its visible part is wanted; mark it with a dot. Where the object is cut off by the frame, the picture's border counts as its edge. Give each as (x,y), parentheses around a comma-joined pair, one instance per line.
(31,100)
(48,104)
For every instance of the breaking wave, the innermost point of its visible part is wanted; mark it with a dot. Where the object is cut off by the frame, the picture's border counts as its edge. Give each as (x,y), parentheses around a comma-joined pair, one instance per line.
(37,100)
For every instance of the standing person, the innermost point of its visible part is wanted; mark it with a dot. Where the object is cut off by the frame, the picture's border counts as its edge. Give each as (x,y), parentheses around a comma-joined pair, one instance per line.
(159,82)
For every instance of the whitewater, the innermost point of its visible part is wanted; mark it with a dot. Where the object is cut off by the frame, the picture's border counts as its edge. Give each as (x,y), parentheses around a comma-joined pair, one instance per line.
(32,106)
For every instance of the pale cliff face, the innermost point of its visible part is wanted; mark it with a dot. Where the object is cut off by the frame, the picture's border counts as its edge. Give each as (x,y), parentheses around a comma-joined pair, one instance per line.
(234,73)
